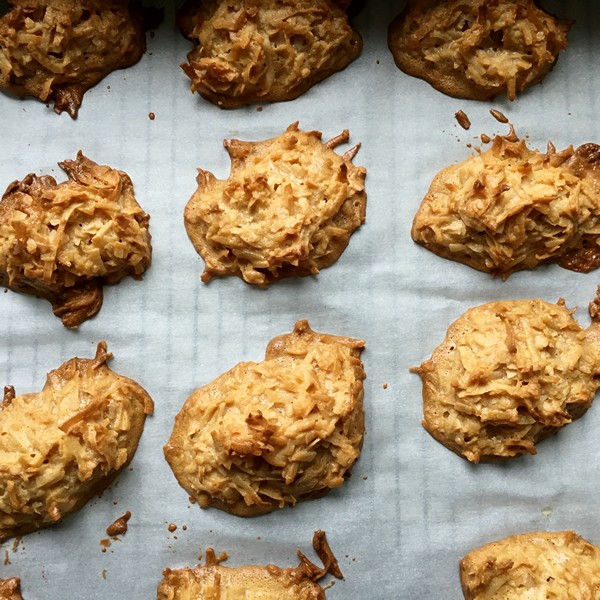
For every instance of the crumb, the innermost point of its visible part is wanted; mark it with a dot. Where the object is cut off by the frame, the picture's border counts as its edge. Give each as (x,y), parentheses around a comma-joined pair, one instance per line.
(500,117)
(329,585)
(365,478)
(184,527)
(385,386)
(103,573)
(151,116)
(16,542)
(105,543)
(172,527)
(462,119)
(119,527)
(469,145)
(546,511)
(6,559)
(259,109)
(191,500)
(485,139)
(377,62)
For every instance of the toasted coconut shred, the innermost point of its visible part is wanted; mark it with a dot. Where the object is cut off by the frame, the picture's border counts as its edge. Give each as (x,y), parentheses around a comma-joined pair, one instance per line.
(67,442)
(512,208)
(507,375)
(272,433)
(64,241)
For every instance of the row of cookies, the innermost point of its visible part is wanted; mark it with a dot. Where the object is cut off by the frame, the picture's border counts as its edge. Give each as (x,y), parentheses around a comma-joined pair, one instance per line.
(560,565)
(288,208)
(302,429)
(275,50)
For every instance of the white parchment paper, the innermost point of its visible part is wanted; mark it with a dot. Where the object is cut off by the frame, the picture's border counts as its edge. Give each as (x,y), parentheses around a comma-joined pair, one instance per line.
(412,509)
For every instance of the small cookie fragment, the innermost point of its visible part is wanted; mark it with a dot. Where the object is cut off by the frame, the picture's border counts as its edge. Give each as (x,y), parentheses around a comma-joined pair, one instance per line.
(509,374)
(277,432)
(67,443)
(287,209)
(56,50)
(10,589)
(477,49)
(532,565)
(212,580)
(265,51)
(511,208)
(64,241)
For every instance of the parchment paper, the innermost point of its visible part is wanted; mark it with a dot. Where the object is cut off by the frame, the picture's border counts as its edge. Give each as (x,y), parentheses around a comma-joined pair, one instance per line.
(412,509)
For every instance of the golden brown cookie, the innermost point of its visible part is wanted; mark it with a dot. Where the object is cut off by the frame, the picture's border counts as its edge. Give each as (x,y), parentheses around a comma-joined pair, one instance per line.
(211,581)
(477,48)
(10,589)
(276,432)
(509,374)
(56,50)
(511,208)
(288,208)
(250,51)
(558,565)
(63,445)
(64,241)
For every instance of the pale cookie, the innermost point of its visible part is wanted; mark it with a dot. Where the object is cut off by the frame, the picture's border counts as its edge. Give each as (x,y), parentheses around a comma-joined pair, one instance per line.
(477,48)
(511,208)
(63,445)
(264,51)
(288,208)
(276,432)
(211,580)
(527,566)
(509,374)
(64,241)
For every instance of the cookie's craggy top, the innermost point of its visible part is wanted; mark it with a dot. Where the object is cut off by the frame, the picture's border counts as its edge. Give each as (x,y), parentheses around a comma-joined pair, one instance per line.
(66,443)
(511,208)
(64,241)
(55,50)
(264,50)
(288,208)
(477,48)
(550,565)
(509,374)
(214,582)
(268,434)
(10,589)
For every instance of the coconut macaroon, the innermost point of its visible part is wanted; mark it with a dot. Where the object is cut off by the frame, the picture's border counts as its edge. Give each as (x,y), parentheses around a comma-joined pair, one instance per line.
(64,241)
(532,565)
(55,50)
(10,589)
(63,445)
(288,208)
(265,51)
(509,374)
(511,208)
(267,434)
(211,580)
(476,48)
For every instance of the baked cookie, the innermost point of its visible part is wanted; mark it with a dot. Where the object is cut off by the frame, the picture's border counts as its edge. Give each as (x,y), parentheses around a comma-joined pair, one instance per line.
(250,51)
(56,50)
(288,208)
(64,241)
(533,565)
(477,48)
(511,208)
(63,445)
(10,589)
(509,374)
(276,432)
(210,581)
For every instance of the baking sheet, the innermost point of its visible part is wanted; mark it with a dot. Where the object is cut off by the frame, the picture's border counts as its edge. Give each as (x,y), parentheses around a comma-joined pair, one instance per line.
(412,509)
